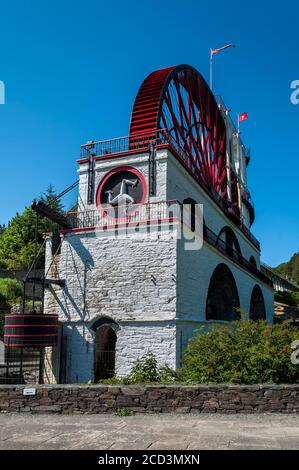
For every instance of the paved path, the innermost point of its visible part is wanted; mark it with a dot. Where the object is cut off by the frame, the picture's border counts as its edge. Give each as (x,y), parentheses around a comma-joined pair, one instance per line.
(265,431)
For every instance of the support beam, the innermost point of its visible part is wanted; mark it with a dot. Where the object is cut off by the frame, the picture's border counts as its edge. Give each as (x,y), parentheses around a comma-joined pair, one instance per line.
(41,208)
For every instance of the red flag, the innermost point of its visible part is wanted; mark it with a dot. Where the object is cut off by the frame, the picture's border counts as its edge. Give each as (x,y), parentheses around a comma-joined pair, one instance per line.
(242,117)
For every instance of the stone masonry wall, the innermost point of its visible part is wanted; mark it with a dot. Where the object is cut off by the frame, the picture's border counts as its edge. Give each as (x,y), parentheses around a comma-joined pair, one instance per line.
(67,399)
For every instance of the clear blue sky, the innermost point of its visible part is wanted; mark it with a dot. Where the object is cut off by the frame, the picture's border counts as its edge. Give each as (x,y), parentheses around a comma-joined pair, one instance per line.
(72,69)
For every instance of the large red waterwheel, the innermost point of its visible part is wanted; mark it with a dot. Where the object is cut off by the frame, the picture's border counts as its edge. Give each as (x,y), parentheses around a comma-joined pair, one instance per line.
(179,101)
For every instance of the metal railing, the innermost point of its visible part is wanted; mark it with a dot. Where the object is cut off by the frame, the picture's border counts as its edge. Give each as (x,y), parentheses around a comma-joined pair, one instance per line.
(141,141)
(21,365)
(124,144)
(159,211)
(229,251)
(104,364)
(135,213)
(280,282)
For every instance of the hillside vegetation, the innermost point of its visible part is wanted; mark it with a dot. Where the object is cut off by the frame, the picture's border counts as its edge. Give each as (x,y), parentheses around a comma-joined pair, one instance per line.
(290,269)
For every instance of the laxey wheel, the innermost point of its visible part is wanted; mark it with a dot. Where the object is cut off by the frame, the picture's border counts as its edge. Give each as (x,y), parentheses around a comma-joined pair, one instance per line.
(179,101)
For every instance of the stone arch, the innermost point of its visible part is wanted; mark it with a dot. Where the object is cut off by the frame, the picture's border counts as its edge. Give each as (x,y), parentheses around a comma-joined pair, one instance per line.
(192,202)
(223,298)
(230,243)
(253,261)
(104,347)
(257,310)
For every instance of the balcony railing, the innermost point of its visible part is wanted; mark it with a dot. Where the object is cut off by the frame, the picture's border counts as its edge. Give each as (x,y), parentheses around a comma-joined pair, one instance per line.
(228,250)
(131,143)
(141,142)
(123,215)
(158,212)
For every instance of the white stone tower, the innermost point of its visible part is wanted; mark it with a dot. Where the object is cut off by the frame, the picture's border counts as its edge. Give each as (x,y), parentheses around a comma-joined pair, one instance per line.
(133,284)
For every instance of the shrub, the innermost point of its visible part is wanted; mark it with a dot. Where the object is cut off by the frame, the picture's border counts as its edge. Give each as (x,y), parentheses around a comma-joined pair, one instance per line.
(242,352)
(123,412)
(286,297)
(10,290)
(145,370)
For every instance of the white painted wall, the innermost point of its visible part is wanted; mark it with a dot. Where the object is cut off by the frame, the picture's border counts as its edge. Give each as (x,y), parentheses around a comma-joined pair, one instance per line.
(149,285)
(181,185)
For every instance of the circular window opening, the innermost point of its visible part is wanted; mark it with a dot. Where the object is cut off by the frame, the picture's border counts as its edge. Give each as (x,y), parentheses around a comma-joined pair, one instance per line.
(121,192)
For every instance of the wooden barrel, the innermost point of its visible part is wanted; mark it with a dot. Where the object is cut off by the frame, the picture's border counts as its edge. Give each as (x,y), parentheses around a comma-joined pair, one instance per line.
(30,330)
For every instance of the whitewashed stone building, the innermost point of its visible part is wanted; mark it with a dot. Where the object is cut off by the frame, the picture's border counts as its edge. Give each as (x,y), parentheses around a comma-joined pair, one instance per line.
(133,284)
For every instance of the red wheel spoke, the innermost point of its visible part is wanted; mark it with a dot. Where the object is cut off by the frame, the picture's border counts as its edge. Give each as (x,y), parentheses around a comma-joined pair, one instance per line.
(178,100)
(190,135)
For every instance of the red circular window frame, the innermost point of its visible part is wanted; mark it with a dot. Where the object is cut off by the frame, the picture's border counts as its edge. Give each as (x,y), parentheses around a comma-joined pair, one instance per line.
(111,173)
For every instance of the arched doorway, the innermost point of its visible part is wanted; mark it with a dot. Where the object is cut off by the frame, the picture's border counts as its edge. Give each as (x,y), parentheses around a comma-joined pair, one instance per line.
(223,298)
(104,348)
(257,309)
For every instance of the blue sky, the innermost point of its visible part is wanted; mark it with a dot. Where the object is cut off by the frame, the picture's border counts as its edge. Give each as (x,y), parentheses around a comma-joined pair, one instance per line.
(72,69)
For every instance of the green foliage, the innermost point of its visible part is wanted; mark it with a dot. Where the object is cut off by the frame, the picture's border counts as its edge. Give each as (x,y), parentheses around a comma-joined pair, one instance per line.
(50,198)
(4,308)
(112,381)
(145,370)
(2,300)
(17,241)
(10,290)
(123,412)
(286,297)
(244,352)
(290,269)
(2,314)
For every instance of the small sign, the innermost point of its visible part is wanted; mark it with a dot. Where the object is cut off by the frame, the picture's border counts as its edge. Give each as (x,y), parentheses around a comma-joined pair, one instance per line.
(29,391)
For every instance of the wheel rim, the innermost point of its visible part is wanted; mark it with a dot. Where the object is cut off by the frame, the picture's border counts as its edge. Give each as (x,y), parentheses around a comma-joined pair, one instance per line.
(179,100)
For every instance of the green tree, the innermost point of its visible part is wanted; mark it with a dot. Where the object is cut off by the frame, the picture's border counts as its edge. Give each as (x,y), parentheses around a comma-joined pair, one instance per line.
(10,290)
(49,197)
(17,242)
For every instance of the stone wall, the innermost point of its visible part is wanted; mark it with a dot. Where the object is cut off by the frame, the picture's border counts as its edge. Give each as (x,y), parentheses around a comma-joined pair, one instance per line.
(67,399)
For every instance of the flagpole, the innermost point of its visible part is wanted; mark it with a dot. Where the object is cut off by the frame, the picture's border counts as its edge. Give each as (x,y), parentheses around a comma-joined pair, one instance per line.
(211,69)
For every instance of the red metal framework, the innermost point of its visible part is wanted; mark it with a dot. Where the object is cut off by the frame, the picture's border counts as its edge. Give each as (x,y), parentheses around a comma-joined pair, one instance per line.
(179,100)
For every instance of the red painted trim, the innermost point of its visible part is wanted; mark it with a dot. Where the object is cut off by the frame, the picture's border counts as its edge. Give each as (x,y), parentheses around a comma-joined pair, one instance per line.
(112,226)
(79,229)
(196,177)
(35,345)
(108,175)
(121,154)
(31,326)
(31,315)
(29,336)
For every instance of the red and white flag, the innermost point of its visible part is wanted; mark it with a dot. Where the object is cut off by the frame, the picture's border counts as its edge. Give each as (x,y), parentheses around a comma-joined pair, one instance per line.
(242,117)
